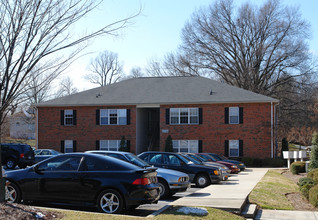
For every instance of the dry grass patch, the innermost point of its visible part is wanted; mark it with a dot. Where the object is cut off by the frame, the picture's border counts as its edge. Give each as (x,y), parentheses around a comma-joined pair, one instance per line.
(270,192)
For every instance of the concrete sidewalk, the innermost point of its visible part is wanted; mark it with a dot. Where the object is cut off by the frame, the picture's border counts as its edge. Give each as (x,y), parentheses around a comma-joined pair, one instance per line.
(286,215)
(229,195)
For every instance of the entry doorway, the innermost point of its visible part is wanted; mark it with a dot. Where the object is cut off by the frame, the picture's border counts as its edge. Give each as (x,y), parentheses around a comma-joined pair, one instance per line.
(147,129)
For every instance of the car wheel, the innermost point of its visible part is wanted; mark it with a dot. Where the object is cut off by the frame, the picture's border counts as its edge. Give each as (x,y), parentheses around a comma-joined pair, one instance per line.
(10,164)
(202,180)
(164,189)
(13,193)
(110,202)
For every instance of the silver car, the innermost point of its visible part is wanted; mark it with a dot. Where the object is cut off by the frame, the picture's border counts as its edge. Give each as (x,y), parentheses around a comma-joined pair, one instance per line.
(170,181)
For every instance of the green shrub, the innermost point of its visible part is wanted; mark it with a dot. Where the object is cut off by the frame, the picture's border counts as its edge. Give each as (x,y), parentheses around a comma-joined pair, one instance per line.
(313,196)
(313,174)
(298,167)
(304,189)
(248,161)
(314,153)
(273,162)
(169,144)
(304,181)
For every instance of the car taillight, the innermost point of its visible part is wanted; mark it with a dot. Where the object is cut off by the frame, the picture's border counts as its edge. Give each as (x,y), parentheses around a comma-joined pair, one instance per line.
(141,181)
(22,155)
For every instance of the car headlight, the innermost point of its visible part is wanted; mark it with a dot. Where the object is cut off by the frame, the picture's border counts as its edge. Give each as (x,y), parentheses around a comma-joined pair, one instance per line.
(224,168)
(241,164)
(234,167)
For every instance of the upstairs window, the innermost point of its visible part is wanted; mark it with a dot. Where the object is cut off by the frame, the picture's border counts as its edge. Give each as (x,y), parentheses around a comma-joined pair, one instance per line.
(112,116)
(68,117)
(234,115)
(184,116)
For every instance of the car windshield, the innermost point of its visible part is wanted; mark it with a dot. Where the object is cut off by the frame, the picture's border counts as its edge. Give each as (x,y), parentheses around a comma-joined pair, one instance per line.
(192,159)
(137,161)
(218,157)
(185,160)
(199,158)
(207,157)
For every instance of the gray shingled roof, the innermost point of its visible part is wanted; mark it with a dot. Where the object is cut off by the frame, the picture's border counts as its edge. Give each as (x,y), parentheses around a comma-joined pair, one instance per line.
(160,90)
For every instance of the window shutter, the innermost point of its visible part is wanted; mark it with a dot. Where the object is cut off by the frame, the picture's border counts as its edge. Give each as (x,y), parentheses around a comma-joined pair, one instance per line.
(62,117)
(97,116)
(62,146)
(200,146)
(74,117)
(167,116)
(241,115)
(74,146)
(226,115)
(128,116)
(241,148)
(226,148)
(128,145)
(200,116)
(97,145)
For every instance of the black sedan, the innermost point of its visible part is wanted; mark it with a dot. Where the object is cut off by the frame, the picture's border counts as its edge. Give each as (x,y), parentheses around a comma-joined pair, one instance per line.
(108,183)
(201,175)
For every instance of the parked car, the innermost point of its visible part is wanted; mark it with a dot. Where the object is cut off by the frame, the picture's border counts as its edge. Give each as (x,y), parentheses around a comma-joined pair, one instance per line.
(108,183)
(234,169)
(200,161)
(201,175)
(170,181)
(16,154)
(42,154)
(218,157)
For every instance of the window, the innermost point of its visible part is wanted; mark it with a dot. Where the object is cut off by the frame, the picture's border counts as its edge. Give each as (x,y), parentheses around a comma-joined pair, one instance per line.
(234,115)
(188,146)
(109,145)
(68,117)
(61,164)
(68,146)
(234,148)
(184,116)
(113,116)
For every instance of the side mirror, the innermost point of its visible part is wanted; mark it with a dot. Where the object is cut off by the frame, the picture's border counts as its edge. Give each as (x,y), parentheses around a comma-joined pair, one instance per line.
(37,170)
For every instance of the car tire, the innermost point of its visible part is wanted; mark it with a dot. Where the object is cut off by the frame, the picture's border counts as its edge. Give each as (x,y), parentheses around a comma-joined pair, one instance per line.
(110,201)
(10,164)
(164,189)
(202,180)
(13,193)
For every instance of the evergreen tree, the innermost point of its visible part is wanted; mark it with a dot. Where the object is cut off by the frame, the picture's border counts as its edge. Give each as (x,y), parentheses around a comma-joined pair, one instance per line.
(169,145)
(284,146)
(123,145)
(314,152)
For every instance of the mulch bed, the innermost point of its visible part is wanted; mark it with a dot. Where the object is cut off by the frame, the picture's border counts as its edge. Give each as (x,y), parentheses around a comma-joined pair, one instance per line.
(296,199)
(23,212)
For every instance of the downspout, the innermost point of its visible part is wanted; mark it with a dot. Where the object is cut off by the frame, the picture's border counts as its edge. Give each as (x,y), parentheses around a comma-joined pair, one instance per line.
(272,130)
(37,128)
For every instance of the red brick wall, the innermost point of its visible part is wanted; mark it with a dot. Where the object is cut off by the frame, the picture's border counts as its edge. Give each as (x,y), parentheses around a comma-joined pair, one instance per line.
(85,132)
(255,130)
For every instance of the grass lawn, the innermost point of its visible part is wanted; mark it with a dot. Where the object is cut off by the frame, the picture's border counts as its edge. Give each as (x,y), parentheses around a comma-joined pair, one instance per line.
(22,141)
(170,214)
(270,192)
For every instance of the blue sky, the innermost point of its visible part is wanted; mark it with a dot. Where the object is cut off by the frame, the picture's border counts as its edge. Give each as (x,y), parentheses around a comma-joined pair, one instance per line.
(156,31)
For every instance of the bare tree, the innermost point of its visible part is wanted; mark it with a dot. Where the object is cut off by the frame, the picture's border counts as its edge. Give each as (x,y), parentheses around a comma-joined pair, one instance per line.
(105,69)
(257,49)
(34,31)
(66,87)
(136,72)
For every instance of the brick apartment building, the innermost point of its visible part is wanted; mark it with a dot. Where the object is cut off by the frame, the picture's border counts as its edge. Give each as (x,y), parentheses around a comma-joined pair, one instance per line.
(200,114)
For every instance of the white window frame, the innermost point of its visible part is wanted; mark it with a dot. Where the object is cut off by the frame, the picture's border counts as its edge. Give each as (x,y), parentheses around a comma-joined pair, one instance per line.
(107,145)
(234,112)
(68,146)
(234,145)
(121,116)
(175,113)
(191,146)
(68,114)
